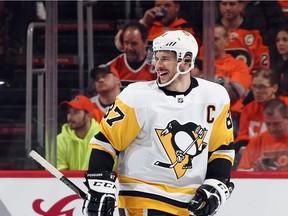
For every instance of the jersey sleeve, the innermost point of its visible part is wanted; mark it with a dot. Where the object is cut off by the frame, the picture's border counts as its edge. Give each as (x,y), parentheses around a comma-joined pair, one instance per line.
(222,137)
(262,59)
(260,51)
(247,45)
(118,128)
(221,146)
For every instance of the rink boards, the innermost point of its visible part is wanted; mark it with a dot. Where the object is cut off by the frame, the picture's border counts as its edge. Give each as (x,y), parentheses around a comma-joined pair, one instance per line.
(38,193)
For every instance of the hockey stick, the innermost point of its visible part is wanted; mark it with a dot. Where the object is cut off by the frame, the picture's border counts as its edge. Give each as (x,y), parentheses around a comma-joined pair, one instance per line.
(57,173)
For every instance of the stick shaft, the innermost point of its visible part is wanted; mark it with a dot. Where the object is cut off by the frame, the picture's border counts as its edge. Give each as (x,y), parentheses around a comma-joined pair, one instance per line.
(57,173)
(73,187)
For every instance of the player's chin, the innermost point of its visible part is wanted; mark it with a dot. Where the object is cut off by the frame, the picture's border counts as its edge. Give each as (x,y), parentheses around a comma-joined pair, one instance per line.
(162,79)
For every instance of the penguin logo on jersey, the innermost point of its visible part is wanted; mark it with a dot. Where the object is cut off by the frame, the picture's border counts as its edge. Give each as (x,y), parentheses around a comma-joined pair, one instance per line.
(182,143)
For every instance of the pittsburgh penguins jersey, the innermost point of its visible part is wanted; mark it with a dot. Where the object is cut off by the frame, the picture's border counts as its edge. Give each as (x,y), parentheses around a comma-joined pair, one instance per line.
(166,142)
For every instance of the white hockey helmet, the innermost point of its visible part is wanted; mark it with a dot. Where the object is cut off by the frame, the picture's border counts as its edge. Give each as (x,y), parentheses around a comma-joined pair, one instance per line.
(183,44)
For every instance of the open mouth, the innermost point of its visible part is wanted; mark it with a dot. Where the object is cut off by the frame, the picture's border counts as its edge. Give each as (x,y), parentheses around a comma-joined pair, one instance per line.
(162,73)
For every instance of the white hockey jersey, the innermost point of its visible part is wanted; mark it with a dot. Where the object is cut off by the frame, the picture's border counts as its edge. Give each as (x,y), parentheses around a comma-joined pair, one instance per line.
(166,141)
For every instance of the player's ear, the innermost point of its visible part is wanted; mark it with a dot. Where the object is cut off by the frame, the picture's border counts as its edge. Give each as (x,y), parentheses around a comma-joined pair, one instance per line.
(187,60)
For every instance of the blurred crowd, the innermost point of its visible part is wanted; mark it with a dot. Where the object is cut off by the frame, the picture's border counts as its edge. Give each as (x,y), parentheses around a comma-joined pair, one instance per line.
(251,52)
(250,61)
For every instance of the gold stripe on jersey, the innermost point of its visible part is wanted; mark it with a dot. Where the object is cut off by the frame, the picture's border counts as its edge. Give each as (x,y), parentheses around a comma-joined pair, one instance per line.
(95,146)
(149,200)
(145,203)
(127,122)
(222,155)
(135,212)
(164,187)
(222,135)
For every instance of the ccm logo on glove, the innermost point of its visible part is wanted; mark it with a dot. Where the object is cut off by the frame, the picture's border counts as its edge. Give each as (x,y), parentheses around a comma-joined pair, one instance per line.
(104,184)
(225,189)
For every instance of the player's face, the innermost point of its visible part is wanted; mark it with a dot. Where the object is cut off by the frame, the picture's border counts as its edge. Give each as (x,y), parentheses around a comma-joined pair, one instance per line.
(172,10)
(165,65)
(282,43)
(77,119)
(220,42)
(230,9)
(134,46)
(262,89)
(106,82)
(276,124)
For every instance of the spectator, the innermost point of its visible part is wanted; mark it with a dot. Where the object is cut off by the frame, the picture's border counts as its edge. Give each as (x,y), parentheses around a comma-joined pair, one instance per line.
(192,11)
(280,60)
(72,143)
(266,16)
(233,74)
(284,7)
(164,16)
(17,22)
(269,150)
(132,65)
(107,85)
(264,88)
(244,43)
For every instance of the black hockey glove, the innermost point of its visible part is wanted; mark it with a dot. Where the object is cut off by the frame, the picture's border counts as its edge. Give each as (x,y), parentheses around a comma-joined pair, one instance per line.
(209,197)
(101,199)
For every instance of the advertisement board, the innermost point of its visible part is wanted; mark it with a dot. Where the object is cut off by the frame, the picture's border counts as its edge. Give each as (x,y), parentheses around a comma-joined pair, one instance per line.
(34,193)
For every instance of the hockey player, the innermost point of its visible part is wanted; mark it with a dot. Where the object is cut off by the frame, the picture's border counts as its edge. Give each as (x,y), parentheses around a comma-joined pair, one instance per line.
(174,138)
